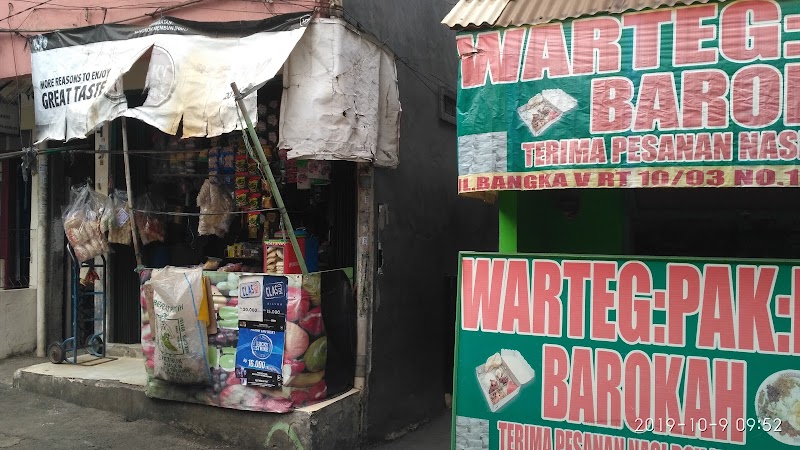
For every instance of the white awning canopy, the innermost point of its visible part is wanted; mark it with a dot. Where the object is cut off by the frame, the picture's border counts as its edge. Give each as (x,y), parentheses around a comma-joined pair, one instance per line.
(76,73)
(340,102)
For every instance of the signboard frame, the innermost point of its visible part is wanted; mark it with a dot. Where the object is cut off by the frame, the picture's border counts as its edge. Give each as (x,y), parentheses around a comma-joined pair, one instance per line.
(472,412)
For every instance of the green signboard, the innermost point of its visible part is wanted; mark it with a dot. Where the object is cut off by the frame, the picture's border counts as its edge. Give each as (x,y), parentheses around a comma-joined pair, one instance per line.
(705,95)
(590,353)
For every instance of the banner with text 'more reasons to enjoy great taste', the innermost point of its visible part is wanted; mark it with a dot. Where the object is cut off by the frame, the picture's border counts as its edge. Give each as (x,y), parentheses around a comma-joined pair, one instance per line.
(705,95)
(606,353)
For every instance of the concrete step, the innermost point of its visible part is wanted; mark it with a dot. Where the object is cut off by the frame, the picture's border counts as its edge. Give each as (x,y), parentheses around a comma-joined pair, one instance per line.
(118,385)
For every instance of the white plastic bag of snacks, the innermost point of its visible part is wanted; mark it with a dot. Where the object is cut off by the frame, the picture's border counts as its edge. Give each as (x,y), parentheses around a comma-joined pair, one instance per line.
(150,227)
(181,338)
(215,206)
(119,228)
(83,222)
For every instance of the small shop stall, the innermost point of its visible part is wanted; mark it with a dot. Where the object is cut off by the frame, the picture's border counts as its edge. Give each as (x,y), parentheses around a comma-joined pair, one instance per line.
(232,211)
(563,107)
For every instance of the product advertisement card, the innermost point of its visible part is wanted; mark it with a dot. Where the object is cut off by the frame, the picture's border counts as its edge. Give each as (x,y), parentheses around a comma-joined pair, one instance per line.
(262,324)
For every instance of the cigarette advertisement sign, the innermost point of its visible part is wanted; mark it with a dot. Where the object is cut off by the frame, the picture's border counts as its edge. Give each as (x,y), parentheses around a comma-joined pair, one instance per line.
(706,95)
(590,353)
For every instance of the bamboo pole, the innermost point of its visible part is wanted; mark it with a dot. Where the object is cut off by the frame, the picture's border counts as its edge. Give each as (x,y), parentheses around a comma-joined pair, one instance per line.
(267,171)
(129,188)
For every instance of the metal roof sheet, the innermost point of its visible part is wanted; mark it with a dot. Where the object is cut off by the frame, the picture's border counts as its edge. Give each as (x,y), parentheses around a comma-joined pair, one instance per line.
(504,13)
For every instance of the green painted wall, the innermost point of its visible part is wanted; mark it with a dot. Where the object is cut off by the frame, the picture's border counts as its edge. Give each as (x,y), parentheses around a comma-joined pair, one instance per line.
(598,227)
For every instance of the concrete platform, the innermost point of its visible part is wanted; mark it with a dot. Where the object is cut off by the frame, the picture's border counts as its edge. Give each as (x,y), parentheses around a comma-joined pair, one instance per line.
(117,385)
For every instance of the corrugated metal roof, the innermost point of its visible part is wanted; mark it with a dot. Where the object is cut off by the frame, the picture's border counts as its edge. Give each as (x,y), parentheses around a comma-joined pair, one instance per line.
(504,13)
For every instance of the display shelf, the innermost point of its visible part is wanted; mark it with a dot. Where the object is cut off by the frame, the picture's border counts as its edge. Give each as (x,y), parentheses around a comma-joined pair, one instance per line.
(180,175)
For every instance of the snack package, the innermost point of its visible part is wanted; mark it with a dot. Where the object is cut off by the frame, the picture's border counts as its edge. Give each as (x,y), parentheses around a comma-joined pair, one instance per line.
(241,198)
(150,227)
(119,230)
(545,108)
(85,221)
(215,205)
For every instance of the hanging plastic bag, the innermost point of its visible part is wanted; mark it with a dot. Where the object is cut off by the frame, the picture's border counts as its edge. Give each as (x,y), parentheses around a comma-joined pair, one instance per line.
(119,228)
(180,336)
(215,205)
(83,222)
(150,227)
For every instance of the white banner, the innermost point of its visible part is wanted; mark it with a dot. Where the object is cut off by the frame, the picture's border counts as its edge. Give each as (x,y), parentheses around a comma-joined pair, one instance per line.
(192,65)
(352,82)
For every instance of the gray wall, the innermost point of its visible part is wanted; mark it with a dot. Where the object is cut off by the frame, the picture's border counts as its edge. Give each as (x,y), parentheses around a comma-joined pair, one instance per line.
(427,223)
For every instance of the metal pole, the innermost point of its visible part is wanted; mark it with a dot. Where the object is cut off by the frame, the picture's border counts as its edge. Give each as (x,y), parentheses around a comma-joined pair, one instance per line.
(270,178)
(134,234)
(42,259)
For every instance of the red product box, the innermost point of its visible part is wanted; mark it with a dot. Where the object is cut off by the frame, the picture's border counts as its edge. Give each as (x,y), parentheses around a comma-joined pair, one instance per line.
(279,256)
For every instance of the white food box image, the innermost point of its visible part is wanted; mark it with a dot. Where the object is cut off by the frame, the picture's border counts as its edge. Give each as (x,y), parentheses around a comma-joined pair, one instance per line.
(545,108)
(502,377)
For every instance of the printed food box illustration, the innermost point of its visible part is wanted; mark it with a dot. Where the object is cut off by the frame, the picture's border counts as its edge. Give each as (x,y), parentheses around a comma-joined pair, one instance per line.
(502,376)
(778,406)
(545,108)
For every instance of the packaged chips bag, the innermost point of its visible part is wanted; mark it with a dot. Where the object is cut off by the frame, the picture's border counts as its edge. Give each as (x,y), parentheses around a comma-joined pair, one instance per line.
(85,222)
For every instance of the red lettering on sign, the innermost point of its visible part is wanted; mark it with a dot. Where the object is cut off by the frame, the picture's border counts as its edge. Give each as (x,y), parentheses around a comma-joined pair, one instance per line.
(619,145)
(796,301)
(756,96)
(791,49)
(647,37)
(690,34)
(750,30)
(611,109)
(683,299)
(602,300)
(754,286)
(581,396)
(730,388)
(528,148)
(609,388)
(576,273)
(555,368)
(638,399)
(481,287)
(657,105)
(517,306)
(704,102)
(489,55)
(668,370)
(595,46)
(716,328)
(634,318)
(546,52)
(787,148)
(697,398)
(546,298)
(791,109)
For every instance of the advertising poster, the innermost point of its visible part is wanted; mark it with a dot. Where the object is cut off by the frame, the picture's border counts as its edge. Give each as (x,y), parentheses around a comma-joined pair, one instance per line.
(561,352)
(706,95)
(262,326)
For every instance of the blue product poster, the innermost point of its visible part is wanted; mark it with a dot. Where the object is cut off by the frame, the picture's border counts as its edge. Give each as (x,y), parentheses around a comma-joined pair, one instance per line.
(262,323)
(259,358)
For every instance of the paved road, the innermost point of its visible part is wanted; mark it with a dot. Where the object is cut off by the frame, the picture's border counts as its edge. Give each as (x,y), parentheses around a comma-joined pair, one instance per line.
(434,435)
(32,421)
(35,422)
